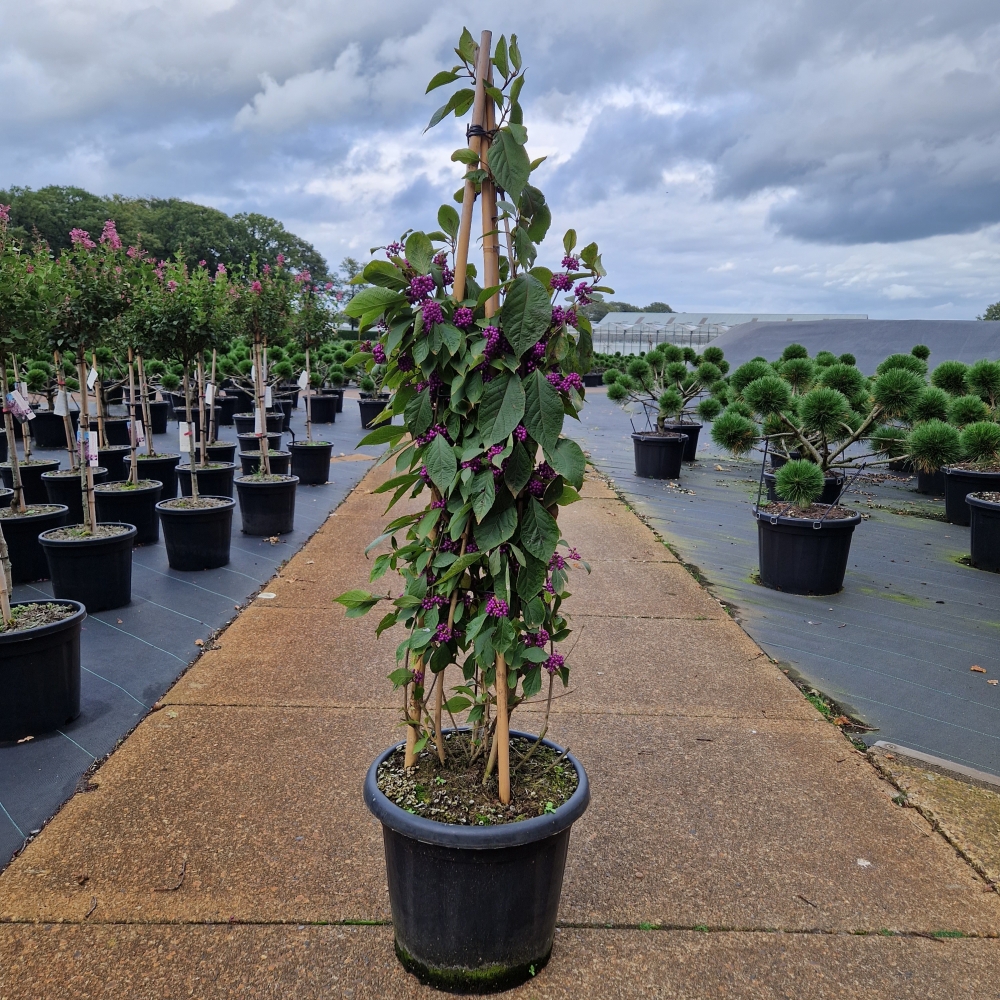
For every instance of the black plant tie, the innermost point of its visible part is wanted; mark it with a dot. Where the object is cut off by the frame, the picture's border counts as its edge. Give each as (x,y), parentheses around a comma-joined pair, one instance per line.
(472,131)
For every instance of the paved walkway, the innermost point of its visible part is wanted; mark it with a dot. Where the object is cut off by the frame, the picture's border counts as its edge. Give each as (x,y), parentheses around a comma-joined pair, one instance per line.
(736,845)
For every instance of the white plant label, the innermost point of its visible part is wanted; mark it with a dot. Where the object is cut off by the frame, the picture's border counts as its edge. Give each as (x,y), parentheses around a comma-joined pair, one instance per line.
(209,393)
(89,446)
(184,436)
(258,421)
(267,396)
(91,378)
(303,380)
(61,406)
(140,437)
(18,405)
(253,373)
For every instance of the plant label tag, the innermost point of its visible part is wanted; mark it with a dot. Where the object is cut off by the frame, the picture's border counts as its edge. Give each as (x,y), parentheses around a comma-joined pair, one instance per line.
(18,405)
(23,388)
(267,396)
(61,405)
(140,437)
(91,378)
(209,393)
(258,421)
(303,380)
(253,373)
(89,447)
(184,436)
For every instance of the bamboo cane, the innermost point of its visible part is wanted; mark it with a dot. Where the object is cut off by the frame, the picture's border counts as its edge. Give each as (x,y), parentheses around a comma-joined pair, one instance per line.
(190,441)
(6,587)
(67,419)
(491,241)
(308,394)
(133,472)
(263,443)
(414,707)
(102,438)
(202,443)
(86,472)
(469,192)
(25,433)
(8,420)
(211,406)
(146,413)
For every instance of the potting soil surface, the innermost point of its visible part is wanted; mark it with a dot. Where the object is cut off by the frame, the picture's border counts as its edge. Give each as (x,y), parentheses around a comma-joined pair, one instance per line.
(131,655)
(895,648)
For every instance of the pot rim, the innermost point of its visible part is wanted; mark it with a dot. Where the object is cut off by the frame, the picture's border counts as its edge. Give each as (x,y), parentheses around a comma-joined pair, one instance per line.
(115,447)
(65,473)
(827,476)
(279,451)
(185,511)
(476,838)
(645,436)
(950,470)
(8,638)
(219,467)
(973,500)
(310,444)
(684,423)
(27,517)
(156,458)
(286,480)
(153,484)
(92,540)
(802,522)
(34,463)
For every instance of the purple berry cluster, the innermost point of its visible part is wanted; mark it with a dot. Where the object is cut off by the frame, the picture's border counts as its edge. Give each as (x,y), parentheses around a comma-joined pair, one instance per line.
(496,607)
(571,263)
(561,282)
(421,285)
(521,433)
(394,250)
(463,317)
(554,662)
(557,562)
(405,363)
(444,633)
(562,316)
(431,311)
(431,602)
(539,639)
(566,382)
(492,335)
(583,293)
(429,436)
(378,352)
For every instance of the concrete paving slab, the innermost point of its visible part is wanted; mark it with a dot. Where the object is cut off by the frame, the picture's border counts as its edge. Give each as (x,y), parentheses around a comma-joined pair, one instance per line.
(607,529)
(595,487)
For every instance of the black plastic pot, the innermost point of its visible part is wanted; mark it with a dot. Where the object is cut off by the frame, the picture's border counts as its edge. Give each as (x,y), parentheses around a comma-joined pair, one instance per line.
(216,482)
(96,571)
(832,486)
(245,422)
(267,508)
(474,907)
(227,407)
(311,462)
(132,506)
(244,400)
(40,676)
(3,447)
(31,479)
(900,465)
(250,442)
(180,415)
(6,496)
(113,459)
(115,430)
(162,468)
(285,405)
(27,559)
(222,451)
(370,409)
(197,538)
(66,489)
(802,556)
(49,431)
(984,540)
(338,395)
(931,482)
(160,412)
(692,431)
(958,484)
(778,460)
(593,379)
(658,456)
(279,461)
(114,394)
(322,409)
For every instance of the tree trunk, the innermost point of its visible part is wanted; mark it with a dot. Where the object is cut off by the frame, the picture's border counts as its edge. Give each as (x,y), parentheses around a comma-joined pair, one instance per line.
(146,415)
(67,419)
(133,473)
(188,415)
(86,472)
(308,394)
(102,440)
(8,420)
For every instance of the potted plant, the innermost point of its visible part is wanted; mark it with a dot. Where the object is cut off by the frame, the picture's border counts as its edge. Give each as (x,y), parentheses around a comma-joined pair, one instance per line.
(482,378)
(978,473)
(55,426)
(984,536)
(267,502)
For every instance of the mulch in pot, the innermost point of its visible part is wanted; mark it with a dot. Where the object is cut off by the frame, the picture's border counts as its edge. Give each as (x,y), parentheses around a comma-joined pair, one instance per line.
(24,616)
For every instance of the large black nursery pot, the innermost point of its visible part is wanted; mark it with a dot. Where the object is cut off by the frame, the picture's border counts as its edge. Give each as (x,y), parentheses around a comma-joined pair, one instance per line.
(285,405)
(160,412)
(323,409)
(243,397)
(804,555)
(474,907)
(163,468)
(984,538)
(40,675)
(250,442)
(115,430)
(311,461)
(132,505)
(245,422)
(180,415)
(221,451)
(6,495)
(27,558)
(659,456)
(3,447)
(958,484)
(338,395)
(215,480)
(95,570)
(370,409)
(278,460)
(778,459)
(227,408)
(931,482)
(832,488)
(113,458)
(31,478)
(692,431)
(49,430)
(197,538)
(593,379)
(267,507)
(63,486)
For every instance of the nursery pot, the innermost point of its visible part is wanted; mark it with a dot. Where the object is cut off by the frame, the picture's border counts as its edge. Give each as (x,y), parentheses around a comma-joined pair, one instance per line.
(832,486)
(244,400)
(49,430)
(984,519)
(31,478)
(132,506)
(250,462)
(692,431)
(250,442)
(227,407)
(95,570)
(6,496)
(285,405)
(180,415)
(267,508)
(222,451)
(160,412)
(593,379)
(474,908)
(215,480)
(931,482)
(803,556)
(370,409)
(27,558)
(958,483)
(659,456)
(338,395)
(778,460)
(900,465)
(113,459)
(163,468)
(323,409)
(64,487)
(3,447)
(40,675)
(197,537)
(311,461)
(114,394)
(245,422)
(115,430)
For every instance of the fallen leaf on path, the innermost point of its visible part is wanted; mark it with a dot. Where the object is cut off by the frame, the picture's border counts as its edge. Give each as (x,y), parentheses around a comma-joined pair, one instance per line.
(199,642)
(993,682)
(976,669)
(863,863)
(842,720)
(25,739)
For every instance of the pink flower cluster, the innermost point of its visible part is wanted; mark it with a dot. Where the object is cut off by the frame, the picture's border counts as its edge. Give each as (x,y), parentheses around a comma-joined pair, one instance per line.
(109,235)
(256,287)
(4,213)
(81,238)
(497,607)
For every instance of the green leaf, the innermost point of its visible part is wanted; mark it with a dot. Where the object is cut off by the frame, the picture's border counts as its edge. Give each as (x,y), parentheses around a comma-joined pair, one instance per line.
(509,162)
(526,313)
(500,57)
(523,247)
(466,47)
(382,434)
(486,294)
(400,677)
(501,408)
(441,463)
(520,134)
(539,531)
(461,99)
(460,565)
(457,704)
(419,252)
(440,79)
(531,579)
(536,163)
(543,410)
(464,102)
(448,218)
(352,598)
(568,460)
(515,53)
(451,336)
(462,155)
(569,240)
(381,272)
(519,469)
(540,223)
(485,489)
(497,527)
(371,298)
(568,496)
(419,413)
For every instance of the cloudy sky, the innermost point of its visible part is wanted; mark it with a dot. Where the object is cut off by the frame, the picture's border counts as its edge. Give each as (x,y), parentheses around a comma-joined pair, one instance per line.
(727,155)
